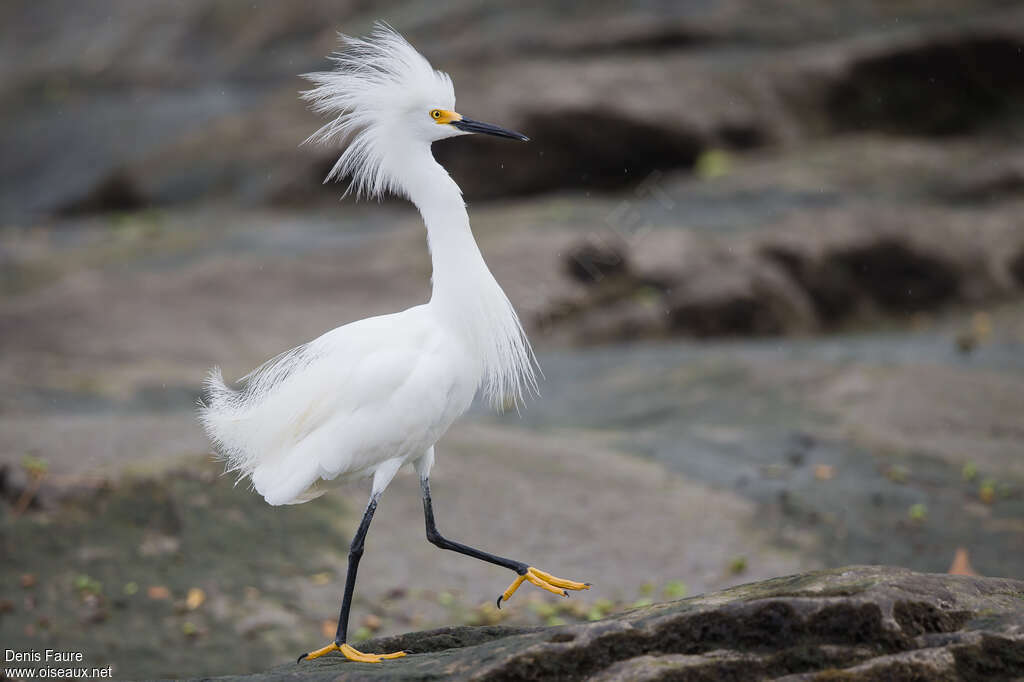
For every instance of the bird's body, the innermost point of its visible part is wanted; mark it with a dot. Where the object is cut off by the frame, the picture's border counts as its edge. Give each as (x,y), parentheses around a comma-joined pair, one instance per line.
(370,396)
(373,391)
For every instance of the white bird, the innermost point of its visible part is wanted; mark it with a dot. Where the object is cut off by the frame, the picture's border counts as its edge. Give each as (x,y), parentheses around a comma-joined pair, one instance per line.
(368,397)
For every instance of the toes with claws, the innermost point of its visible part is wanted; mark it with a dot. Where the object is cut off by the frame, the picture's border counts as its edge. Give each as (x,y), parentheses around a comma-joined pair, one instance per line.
(543,580)
(350,653)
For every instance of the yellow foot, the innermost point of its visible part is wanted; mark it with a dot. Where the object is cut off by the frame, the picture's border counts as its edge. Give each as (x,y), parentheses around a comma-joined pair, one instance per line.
(543,580)
(350,653)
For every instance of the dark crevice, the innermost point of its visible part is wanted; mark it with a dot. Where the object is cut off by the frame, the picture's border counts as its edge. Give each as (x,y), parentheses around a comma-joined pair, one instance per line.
(741,137)
(654,40)
(593,262)
(738,315)
(941,88)
(832,292)
(994,658)
(918,618)
(897,277)
(116,192)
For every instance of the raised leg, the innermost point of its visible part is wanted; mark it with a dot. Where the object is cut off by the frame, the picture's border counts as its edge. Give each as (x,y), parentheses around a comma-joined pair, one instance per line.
(527,573)
(355,553)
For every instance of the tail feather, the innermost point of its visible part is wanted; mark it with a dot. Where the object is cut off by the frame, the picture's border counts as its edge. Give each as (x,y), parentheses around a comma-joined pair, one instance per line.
(256,429)
(219,415)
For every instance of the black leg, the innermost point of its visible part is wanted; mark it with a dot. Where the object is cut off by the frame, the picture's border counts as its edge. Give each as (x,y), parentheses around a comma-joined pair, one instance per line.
(436,538)
(355,553)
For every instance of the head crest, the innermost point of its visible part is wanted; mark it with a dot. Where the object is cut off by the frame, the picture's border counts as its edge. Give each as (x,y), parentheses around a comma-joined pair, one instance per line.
(377,82)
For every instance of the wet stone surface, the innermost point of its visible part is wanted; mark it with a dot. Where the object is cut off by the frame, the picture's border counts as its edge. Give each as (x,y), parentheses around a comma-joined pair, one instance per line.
(857,623)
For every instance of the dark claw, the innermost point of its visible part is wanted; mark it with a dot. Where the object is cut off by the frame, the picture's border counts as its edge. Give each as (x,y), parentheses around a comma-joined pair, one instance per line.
(588,584)
(499,601)
(300,658)
(406,651)
(565,593)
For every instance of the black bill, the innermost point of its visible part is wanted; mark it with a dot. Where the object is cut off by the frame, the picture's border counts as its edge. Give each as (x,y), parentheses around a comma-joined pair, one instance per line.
(470,126)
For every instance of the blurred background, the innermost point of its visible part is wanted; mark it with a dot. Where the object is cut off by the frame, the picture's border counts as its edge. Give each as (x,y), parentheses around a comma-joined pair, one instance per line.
(771,255)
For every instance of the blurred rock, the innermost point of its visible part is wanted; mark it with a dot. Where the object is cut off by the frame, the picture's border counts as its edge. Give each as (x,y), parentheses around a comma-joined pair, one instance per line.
(817,270)
(116,192)
(623,320)
(1016,265)
(616,304)
(943,85)
(995,179)
(15,484)
(895,275)
(737,296)
(856,623)
(592,262)
(107,109)
(832,292)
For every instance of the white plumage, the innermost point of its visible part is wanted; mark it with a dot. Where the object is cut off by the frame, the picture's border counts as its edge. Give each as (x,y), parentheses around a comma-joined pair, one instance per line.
(370,396)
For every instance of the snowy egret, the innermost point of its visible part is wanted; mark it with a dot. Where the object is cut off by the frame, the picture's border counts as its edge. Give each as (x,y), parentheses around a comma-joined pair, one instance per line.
(373,395)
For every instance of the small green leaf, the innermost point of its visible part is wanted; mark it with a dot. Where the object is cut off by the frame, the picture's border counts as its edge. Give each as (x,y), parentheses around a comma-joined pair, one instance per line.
(970,471)
(713,163)
(675,589)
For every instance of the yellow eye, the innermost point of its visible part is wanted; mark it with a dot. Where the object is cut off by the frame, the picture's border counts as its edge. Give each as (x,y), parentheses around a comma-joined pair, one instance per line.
(435,114)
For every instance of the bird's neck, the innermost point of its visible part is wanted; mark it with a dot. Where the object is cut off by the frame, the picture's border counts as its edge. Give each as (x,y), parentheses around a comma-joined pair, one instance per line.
(458,266)
(465,296)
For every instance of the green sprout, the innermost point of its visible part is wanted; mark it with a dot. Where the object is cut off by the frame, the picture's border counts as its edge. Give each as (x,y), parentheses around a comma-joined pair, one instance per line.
(675,589)
(970,471)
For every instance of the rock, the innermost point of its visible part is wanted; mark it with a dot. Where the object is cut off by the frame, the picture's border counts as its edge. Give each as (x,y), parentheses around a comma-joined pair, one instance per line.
(815,270)
(738,296)
(895,275)
(832,291)
(617,308)
(624,320)
(890,272)
(939,86)
(207,107)
(592,262)
(616,303)
(1017,267)
(856,623)
(115,192)
(994,179)
(15,483)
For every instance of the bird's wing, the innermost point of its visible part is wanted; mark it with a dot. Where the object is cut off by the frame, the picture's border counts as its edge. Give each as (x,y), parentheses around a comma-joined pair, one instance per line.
(367,390)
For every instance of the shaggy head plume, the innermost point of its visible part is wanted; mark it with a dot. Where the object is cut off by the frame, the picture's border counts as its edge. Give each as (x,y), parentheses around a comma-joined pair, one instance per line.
(380,91)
